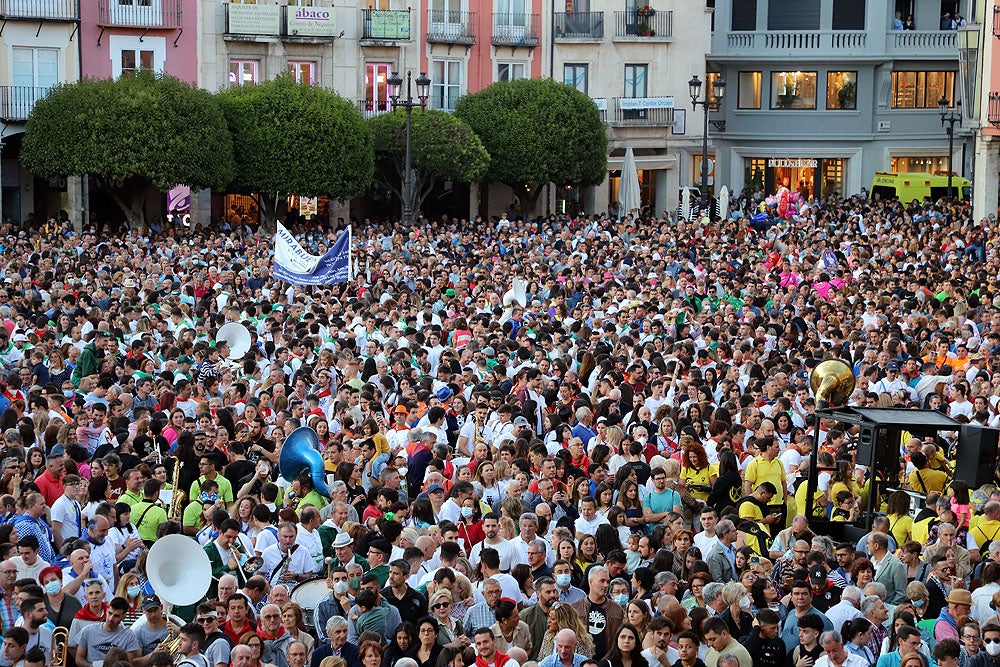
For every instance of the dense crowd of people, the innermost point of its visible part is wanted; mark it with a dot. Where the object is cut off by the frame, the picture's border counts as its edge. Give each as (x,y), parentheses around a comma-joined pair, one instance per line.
(606,466)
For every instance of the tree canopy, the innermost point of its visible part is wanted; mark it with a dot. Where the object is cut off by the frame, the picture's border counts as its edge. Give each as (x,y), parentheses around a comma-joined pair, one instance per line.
(291,138)
(442,147)
(134,132)
(537,131)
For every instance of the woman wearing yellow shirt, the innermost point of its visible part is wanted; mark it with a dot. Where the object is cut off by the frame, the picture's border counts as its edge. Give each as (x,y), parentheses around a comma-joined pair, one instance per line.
(842,480)
(697,473)
(897,511)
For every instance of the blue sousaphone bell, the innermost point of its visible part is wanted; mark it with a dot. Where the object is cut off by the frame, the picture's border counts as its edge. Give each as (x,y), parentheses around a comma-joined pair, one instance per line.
(300,454)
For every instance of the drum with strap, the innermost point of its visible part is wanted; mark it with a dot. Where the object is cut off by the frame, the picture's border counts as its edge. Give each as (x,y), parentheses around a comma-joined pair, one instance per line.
(308,595)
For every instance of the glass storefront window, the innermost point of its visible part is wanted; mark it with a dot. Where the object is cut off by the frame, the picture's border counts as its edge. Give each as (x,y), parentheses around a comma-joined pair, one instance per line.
(937,164)
(749,90)
(922,90)
(793,90)
(811,177)
(842,90)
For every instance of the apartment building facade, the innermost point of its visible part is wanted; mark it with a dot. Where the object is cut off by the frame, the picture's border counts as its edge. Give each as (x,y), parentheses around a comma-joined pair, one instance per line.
(40,41)
(824,93)
(632,58)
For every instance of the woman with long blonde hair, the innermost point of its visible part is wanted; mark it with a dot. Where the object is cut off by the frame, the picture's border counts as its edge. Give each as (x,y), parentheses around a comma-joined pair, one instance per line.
(564,617)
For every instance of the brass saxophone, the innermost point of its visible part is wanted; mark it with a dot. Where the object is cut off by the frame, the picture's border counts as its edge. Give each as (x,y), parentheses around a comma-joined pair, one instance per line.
(477,434)
(60,647)
(177,499)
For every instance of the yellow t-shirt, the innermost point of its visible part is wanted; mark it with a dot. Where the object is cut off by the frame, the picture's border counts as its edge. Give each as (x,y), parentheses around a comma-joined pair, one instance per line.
(901,527)
(703,477)
(819,509)
(985,530)
(750,510)
(760,471)
(928,480)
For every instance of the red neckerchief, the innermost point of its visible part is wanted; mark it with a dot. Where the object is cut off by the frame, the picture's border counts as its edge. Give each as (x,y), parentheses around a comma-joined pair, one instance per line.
(499,659)
(266,637)
(86,615)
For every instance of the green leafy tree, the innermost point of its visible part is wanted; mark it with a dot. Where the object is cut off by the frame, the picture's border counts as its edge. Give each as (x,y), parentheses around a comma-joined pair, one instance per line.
(137,132)
(537,131)
(291,138)
(442,148)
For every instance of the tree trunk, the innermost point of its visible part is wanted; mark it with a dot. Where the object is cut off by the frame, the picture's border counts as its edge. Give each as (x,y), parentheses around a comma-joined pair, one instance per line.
(269,208)
(528,198)
(131,199)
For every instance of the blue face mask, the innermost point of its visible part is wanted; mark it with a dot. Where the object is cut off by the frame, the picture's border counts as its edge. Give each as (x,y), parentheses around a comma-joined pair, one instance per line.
(467,512)
(133,591)
(621,599)
(53,587)
(562,580)
(919,603)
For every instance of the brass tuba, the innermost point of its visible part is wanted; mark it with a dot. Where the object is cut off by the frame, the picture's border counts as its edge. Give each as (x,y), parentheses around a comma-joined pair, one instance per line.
(60,647)
(170,645)
(300,455)
(832,382)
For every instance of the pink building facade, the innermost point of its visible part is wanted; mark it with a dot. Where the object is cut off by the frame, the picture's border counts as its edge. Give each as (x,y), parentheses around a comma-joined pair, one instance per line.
(118,36)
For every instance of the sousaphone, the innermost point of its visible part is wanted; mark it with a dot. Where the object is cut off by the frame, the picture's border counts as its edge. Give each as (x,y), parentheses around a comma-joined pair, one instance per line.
(238,338)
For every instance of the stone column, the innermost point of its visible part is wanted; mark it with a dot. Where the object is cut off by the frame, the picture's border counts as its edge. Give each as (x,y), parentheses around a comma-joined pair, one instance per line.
(984,182)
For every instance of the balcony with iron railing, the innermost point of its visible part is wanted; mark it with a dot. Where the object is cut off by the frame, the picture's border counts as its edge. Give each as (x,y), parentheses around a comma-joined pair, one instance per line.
(644,25)
(369,108)
(17,102)
(139,13)
(515,29)
(578,26)
(993,113)
(385,25)
(39,10)
(448,27)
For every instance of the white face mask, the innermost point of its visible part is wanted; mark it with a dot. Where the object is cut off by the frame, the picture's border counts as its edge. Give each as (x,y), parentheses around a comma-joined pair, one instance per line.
(993,649)
(744,602)
(340,587)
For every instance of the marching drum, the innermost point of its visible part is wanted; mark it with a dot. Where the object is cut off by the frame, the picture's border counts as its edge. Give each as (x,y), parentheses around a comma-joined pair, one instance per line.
(308,595)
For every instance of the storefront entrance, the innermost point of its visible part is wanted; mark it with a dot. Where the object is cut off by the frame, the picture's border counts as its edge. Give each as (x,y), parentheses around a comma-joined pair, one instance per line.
(812,177)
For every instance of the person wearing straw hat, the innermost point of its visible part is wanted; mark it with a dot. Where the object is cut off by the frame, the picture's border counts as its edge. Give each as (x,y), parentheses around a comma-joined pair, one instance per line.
(959,605)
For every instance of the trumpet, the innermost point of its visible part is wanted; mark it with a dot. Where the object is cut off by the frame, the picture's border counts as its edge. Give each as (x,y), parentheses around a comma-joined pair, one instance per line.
(60,647)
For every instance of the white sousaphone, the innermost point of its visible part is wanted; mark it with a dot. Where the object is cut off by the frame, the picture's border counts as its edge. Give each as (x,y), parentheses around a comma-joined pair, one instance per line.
(516,294)
(179,570)
(238,338)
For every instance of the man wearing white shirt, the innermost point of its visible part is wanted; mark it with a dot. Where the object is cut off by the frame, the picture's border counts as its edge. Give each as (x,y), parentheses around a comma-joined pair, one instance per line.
(308,536)
(892,382)
(508,554)
(451,509)
(836,654)
(707,539)
(286,561)
(528,524)
(589,518)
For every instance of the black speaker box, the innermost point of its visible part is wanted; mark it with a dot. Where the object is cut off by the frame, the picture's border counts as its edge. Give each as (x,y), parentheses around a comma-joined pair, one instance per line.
(977,455)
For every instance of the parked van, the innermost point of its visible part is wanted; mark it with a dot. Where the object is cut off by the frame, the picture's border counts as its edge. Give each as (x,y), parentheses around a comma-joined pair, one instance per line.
(908,186)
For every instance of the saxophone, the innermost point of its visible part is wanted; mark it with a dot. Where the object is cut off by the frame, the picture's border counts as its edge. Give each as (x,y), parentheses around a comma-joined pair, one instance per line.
(177,499)
(60,647)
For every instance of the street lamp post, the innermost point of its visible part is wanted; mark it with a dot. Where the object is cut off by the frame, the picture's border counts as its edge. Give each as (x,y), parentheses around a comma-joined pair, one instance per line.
(718,91)
(949,117)
(395,82)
